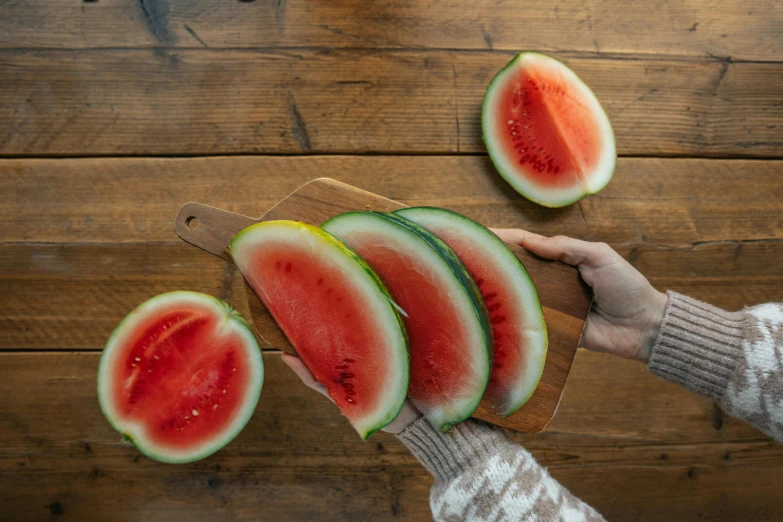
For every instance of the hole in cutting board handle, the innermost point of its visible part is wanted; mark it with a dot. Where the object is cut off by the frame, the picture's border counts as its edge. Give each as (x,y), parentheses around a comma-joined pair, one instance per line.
(209,228)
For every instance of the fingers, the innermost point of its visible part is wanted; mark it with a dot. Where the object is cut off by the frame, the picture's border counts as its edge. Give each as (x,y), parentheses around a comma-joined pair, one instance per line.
(514,236)
(299,368)
(561,248)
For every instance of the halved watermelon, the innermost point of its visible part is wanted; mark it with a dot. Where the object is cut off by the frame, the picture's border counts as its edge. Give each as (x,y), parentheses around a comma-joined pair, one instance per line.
(180,376)
(518,328)
(336,313)
(546,132)
(448,325)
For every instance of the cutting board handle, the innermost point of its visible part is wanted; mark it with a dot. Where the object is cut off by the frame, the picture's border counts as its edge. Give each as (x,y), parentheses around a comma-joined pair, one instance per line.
(208,227)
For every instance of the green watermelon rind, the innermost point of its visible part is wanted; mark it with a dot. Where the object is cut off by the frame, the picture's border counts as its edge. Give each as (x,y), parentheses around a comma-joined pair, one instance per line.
(501,252)
(345,250)
(131,434)
(497,152)
(468,285)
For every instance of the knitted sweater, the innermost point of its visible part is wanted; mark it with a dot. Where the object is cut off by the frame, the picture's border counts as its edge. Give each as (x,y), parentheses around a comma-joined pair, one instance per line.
(736,359)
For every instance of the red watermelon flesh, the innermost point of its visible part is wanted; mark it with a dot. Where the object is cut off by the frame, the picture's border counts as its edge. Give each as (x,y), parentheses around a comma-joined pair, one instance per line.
(518,328)
(335,312)
(180,376)
(546,132)
(407,286)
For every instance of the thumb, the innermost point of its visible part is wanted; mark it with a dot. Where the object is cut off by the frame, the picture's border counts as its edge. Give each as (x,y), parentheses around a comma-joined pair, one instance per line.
(515,236)
(571,251)
(299,368)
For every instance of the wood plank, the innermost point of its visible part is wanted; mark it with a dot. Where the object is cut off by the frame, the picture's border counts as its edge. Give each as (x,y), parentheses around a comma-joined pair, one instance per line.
(71,296)
(137,102)
(745,31)
(656,202)
(654,211)
(617,441)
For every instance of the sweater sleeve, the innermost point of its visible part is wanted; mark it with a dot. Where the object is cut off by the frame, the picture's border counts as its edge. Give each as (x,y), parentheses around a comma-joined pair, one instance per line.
(734,358)
(480,475)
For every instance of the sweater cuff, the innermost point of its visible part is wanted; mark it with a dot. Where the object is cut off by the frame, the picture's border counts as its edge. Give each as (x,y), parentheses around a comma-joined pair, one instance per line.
(447,455)
(698,345)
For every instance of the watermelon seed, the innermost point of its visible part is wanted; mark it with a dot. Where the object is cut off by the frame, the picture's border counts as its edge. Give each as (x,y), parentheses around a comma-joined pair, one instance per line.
(214,407)
(187,417)
(156,357)
(195,413)
(510,122)
(350,400)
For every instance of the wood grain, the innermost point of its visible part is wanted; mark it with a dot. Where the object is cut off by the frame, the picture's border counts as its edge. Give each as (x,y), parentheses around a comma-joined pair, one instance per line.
(137,102)
(744,31)
(565,298)
(618,443)
(650,201)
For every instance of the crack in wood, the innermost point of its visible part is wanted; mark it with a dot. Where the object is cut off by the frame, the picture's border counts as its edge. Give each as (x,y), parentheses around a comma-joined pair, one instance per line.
(298,125)
(195,35)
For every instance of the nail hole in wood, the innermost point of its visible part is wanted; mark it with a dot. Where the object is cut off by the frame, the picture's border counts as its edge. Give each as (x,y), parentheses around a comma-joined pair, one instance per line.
(192,222)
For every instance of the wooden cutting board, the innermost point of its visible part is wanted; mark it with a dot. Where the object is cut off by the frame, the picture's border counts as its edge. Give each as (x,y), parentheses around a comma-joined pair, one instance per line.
(564,296)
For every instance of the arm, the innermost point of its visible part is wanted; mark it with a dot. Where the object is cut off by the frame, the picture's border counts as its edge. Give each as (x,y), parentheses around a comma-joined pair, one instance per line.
(734,358)
(481,475)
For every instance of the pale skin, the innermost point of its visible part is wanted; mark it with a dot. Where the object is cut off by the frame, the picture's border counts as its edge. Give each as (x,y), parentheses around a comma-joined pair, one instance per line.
(624,320)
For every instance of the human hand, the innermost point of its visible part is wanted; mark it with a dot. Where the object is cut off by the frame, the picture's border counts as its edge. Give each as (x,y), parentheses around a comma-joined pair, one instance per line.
(407,415)
(627,311)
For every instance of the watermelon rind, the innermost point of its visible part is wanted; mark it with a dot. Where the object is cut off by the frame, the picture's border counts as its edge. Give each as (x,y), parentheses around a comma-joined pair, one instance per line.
(440,255)
(384,307)
(134,433)
(514,273)
(547,196)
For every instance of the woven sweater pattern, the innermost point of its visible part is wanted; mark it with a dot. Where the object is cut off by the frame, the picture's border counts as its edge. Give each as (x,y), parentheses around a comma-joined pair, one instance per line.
(735,358)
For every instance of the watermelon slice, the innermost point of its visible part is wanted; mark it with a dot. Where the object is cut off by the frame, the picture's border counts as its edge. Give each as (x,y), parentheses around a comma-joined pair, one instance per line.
(180,376)
(448,325)
(336,313)
(518,328)
(546,132)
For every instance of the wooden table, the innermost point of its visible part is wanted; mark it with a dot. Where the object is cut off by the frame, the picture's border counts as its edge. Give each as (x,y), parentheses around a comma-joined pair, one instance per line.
(114,112)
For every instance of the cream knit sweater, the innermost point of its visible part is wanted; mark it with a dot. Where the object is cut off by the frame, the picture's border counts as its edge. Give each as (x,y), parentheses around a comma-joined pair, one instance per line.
(736,359)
